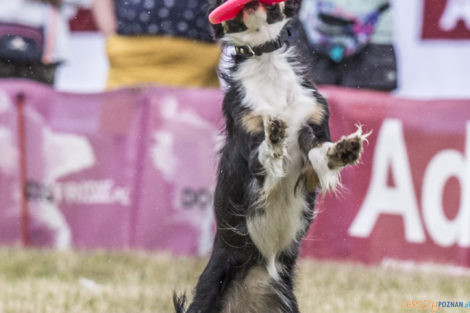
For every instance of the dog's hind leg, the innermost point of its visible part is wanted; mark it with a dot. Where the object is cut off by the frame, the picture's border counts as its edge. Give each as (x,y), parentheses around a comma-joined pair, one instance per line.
(254,292)
(286,283)
(211,285)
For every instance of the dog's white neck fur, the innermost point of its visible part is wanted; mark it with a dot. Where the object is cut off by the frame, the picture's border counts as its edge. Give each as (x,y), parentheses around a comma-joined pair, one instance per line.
(271,87)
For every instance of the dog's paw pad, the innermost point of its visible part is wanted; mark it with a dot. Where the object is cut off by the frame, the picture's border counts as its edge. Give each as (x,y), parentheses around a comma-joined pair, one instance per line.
(276,131)
(348,150)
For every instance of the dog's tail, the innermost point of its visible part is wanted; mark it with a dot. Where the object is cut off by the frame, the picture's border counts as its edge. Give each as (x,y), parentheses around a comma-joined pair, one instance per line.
(179,302)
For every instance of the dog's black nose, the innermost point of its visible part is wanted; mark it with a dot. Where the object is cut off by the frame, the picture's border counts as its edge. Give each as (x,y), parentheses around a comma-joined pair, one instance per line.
(251,6)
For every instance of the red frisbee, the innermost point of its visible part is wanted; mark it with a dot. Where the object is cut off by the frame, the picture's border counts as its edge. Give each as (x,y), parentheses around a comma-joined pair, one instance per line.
(230,8)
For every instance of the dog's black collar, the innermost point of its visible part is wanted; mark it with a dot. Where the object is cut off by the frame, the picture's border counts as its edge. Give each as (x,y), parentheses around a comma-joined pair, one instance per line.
(247,51)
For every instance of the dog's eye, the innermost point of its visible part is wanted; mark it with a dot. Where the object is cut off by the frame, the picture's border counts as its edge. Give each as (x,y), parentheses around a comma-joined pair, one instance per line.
(235,25)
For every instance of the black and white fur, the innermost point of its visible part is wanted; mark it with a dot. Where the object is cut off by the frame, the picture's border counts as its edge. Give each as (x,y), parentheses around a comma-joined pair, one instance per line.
(277,155)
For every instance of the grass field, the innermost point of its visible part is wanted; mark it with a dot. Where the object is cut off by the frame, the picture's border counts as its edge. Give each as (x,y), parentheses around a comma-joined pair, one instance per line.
(45,281)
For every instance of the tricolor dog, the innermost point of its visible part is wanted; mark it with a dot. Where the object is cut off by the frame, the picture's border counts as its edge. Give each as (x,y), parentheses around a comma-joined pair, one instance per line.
(277,156)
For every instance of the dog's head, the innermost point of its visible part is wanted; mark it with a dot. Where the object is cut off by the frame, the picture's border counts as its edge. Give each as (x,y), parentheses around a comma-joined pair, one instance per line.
(257,23)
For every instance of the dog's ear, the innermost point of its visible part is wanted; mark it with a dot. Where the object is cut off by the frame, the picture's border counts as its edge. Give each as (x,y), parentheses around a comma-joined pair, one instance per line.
(218,30)
(292,7)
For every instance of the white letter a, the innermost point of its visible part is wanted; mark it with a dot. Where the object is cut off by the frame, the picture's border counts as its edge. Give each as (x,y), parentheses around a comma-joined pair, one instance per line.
(455,11)
(390,152)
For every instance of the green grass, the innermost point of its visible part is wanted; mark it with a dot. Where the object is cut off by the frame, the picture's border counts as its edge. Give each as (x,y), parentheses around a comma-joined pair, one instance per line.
(45,281)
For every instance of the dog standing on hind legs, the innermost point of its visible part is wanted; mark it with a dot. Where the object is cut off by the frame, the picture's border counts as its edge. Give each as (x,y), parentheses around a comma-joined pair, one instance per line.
(277,155)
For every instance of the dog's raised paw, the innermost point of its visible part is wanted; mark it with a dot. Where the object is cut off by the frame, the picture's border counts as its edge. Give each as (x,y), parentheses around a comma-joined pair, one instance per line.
(276,131)
(345,152)
(348,150)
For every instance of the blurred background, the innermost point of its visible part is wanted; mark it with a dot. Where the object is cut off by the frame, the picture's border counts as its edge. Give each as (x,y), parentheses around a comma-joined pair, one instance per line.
(110,121)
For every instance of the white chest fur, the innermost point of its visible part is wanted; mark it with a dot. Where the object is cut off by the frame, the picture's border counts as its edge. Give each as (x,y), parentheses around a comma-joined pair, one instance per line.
(273,89)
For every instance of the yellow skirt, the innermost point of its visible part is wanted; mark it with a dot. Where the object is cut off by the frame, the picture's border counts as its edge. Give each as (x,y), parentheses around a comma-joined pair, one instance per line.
(161,60)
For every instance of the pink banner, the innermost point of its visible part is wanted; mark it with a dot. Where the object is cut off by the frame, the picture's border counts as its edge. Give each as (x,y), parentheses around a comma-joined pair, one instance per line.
(136,169)
(131,168)
(177,177)
(10,208)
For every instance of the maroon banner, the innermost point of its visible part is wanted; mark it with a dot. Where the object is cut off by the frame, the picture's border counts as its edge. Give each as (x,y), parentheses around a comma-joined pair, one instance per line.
(409,199)
(83,21)
(446,19)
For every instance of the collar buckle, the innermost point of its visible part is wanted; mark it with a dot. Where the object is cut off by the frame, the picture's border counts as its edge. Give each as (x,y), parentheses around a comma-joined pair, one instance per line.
(245,51)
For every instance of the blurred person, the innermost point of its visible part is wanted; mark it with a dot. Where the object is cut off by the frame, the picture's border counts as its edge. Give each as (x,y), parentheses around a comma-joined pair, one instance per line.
(158,41)
(351,43)
(33,39)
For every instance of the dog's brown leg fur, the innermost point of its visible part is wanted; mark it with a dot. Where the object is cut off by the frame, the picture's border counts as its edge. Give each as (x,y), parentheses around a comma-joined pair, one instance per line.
(252,294)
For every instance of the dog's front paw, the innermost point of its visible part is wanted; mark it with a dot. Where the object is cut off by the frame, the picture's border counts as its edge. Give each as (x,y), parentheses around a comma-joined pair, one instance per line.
(273,150)
(275,131)
(348,150)
(328,159)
